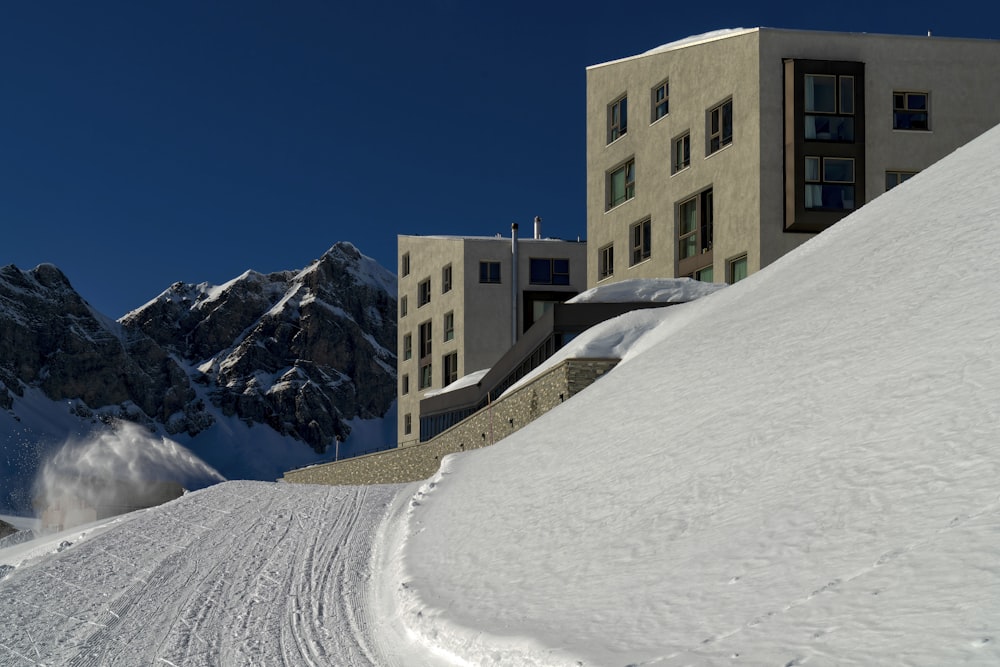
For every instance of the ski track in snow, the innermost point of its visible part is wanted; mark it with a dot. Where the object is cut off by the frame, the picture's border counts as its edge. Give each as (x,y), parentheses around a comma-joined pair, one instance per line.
(286,595)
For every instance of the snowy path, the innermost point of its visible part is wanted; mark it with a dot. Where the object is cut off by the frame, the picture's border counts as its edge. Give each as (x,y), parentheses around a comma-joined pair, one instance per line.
(250,574)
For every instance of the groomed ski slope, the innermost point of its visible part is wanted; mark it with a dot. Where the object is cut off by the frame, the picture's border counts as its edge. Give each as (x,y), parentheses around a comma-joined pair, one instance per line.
(799,469)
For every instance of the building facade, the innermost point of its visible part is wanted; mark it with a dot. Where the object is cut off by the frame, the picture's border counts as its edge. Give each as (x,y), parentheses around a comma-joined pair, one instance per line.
(461,307)
(714,156)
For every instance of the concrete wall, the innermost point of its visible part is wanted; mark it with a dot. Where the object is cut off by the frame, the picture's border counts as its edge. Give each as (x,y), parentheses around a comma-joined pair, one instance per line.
(508,414)
(701,76)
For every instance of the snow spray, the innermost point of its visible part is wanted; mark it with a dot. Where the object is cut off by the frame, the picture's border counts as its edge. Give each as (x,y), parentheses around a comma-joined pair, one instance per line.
(113,471)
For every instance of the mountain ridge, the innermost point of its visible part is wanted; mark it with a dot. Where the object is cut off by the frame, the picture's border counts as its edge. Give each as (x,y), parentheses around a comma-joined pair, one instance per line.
(304,352)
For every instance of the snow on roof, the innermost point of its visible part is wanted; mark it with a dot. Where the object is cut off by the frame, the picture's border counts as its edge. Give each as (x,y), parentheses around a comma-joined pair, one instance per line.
(654,290)
(683,42)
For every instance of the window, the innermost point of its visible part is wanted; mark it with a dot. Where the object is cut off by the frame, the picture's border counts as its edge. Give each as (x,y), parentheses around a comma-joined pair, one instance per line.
(407,347)
(402,306)
(606,261)
(404,264)
(910,111)
(661,101)
(830,183)
(639,233)
(621,184)
(720,126)
(617,118)
(405,385)
(682,152)
(424,292)
(694,232)
(548,271)
(450,364)
(449,326)
(426,375)
(446,279)
(425,339)
(894,178)
(829,107)
(407,424)
(489,272)
(737,269)
(705,274)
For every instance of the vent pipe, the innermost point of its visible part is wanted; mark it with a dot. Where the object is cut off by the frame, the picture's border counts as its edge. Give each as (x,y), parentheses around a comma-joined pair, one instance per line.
(513,283)
(538,227)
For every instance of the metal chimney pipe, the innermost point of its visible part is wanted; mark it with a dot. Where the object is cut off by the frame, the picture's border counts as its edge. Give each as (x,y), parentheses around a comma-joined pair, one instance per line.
(513,283)
(538,227)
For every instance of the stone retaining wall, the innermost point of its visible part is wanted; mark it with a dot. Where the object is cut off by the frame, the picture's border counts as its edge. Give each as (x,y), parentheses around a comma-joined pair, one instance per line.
(508,414)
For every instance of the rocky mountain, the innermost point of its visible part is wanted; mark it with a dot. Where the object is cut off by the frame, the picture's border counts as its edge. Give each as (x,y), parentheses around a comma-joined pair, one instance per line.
(299,351)
(302,352)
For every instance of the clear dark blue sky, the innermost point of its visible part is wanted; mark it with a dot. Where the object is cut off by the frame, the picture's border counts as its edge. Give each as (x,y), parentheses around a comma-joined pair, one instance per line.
(144,142)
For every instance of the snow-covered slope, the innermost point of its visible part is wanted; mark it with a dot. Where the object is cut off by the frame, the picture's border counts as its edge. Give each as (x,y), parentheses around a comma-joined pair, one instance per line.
(799,469)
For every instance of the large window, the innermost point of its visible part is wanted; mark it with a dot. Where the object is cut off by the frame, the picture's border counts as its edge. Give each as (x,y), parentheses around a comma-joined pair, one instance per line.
(720,126)
(407,347)
(449,326)
(424,292)
(829,183)
(641,242)
(404,264)
(548,271)
(446,279)
(682,153)
(606,262)
(661,101)
(894,178)
(405,384)
(450,364)
(621,184)
(617,118)
(910,111)
(694,232)
(426,375)
(489,272)
(425,339)
(829,107)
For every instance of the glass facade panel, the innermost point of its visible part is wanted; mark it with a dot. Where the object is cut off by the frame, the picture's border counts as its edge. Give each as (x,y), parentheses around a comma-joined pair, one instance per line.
(821,93)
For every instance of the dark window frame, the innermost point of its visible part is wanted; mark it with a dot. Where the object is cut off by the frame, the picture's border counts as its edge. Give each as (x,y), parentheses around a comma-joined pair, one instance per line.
(640,241)
(618,119)
(548,270)
(423,292)
(627,169)
(908,118)
(660,101)
(720,126)
(606,261)
(681,154)
(489,272)
(701,233)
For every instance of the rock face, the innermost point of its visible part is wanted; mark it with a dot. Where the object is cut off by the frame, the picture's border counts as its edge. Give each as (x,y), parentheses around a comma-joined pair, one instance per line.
(6,529)
(52,339)
(301,351)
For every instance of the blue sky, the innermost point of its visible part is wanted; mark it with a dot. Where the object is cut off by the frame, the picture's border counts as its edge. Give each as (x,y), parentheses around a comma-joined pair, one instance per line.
(142,143)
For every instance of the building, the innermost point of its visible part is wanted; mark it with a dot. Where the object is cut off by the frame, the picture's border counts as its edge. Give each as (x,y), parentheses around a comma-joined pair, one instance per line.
(461,307)
(714,156)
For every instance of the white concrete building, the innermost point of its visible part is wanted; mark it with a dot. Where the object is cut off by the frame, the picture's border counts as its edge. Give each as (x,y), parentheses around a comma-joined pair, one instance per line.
(461,306)
(714,156)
